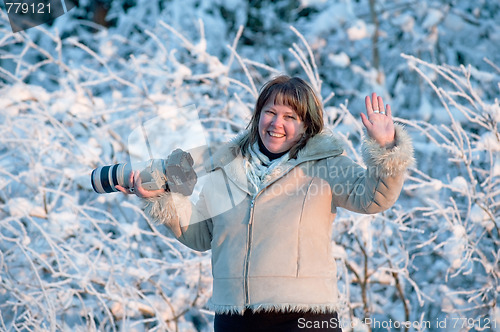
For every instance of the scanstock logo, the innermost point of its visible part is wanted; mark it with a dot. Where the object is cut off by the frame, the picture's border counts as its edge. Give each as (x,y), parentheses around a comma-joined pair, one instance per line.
(25,14)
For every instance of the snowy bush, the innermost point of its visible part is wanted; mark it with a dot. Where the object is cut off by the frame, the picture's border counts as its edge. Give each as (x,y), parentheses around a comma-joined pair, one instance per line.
(71,93)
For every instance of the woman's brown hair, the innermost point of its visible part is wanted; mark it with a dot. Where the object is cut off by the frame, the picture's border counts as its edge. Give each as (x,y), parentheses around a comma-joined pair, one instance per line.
(295,93)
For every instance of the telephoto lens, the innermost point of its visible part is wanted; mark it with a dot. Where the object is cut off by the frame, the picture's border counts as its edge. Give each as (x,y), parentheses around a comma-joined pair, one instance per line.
(174,174)
(105,178)
(152,172)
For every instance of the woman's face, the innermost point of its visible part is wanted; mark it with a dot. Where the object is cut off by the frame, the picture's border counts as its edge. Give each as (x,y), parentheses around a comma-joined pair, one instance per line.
(280,128)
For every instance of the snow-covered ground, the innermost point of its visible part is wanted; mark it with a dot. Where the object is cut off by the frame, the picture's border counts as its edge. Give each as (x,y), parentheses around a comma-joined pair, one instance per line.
(72,93)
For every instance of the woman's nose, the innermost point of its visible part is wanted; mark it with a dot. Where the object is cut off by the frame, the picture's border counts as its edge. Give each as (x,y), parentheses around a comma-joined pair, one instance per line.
(277,121)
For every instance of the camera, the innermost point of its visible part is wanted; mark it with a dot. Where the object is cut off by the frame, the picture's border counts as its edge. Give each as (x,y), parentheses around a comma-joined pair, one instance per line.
(174,174)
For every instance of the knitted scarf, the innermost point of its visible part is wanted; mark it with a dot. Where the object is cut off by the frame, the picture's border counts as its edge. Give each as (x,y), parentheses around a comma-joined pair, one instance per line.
(258,166)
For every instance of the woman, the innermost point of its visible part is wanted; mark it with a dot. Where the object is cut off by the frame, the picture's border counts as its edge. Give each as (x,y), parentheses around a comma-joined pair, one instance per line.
(285,177)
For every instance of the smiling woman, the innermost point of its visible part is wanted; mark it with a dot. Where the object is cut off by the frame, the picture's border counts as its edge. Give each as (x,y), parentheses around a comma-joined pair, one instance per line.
(271,252)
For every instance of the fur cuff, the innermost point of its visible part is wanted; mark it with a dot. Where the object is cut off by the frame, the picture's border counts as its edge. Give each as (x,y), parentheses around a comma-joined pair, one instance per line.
(389,162)
(168,209)
(161,209)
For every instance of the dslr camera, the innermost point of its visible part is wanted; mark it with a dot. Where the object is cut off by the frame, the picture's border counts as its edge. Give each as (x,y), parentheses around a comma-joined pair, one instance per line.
(174,174)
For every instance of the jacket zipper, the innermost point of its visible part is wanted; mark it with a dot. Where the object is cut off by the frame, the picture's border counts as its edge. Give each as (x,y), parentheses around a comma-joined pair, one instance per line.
(249,247)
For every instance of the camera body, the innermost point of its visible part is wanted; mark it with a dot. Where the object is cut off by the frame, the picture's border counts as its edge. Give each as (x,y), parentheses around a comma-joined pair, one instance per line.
(174,174)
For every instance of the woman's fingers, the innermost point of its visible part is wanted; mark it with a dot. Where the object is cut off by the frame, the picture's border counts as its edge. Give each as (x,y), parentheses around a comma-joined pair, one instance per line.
(368,104)
(137,189)
(140,191)
(389,112)
(375,105)
(131,182)
(130,189)
(365,121)
(122,189)
(137,179)
(380,104)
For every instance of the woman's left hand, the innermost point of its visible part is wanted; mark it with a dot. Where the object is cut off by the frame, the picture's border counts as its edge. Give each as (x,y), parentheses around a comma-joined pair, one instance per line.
(379,124)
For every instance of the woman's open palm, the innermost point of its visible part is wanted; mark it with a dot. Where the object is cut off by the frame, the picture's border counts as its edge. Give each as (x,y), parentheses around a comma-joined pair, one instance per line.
(378,121)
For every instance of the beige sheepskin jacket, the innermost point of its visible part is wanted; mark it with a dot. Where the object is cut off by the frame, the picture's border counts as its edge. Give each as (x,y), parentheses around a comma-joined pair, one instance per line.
(271,250)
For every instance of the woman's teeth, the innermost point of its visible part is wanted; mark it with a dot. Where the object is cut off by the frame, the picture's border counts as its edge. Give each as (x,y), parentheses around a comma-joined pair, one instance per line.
(276,135)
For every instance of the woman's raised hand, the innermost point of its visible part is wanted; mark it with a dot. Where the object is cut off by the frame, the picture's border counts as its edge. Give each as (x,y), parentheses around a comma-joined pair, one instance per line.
(137,187)
(378,121)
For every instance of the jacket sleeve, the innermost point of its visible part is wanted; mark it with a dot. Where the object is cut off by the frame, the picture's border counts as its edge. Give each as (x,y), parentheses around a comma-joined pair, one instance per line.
(377,187)
(185,219)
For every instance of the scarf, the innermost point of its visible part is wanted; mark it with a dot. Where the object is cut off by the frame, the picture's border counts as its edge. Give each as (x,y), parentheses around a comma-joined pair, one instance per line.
(258,166)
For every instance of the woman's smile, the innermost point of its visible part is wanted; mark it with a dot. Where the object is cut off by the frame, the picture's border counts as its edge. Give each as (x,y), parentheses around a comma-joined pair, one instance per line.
(276,135)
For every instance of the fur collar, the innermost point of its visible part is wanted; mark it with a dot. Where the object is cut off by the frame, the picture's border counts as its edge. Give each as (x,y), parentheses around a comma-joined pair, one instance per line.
(323,145)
